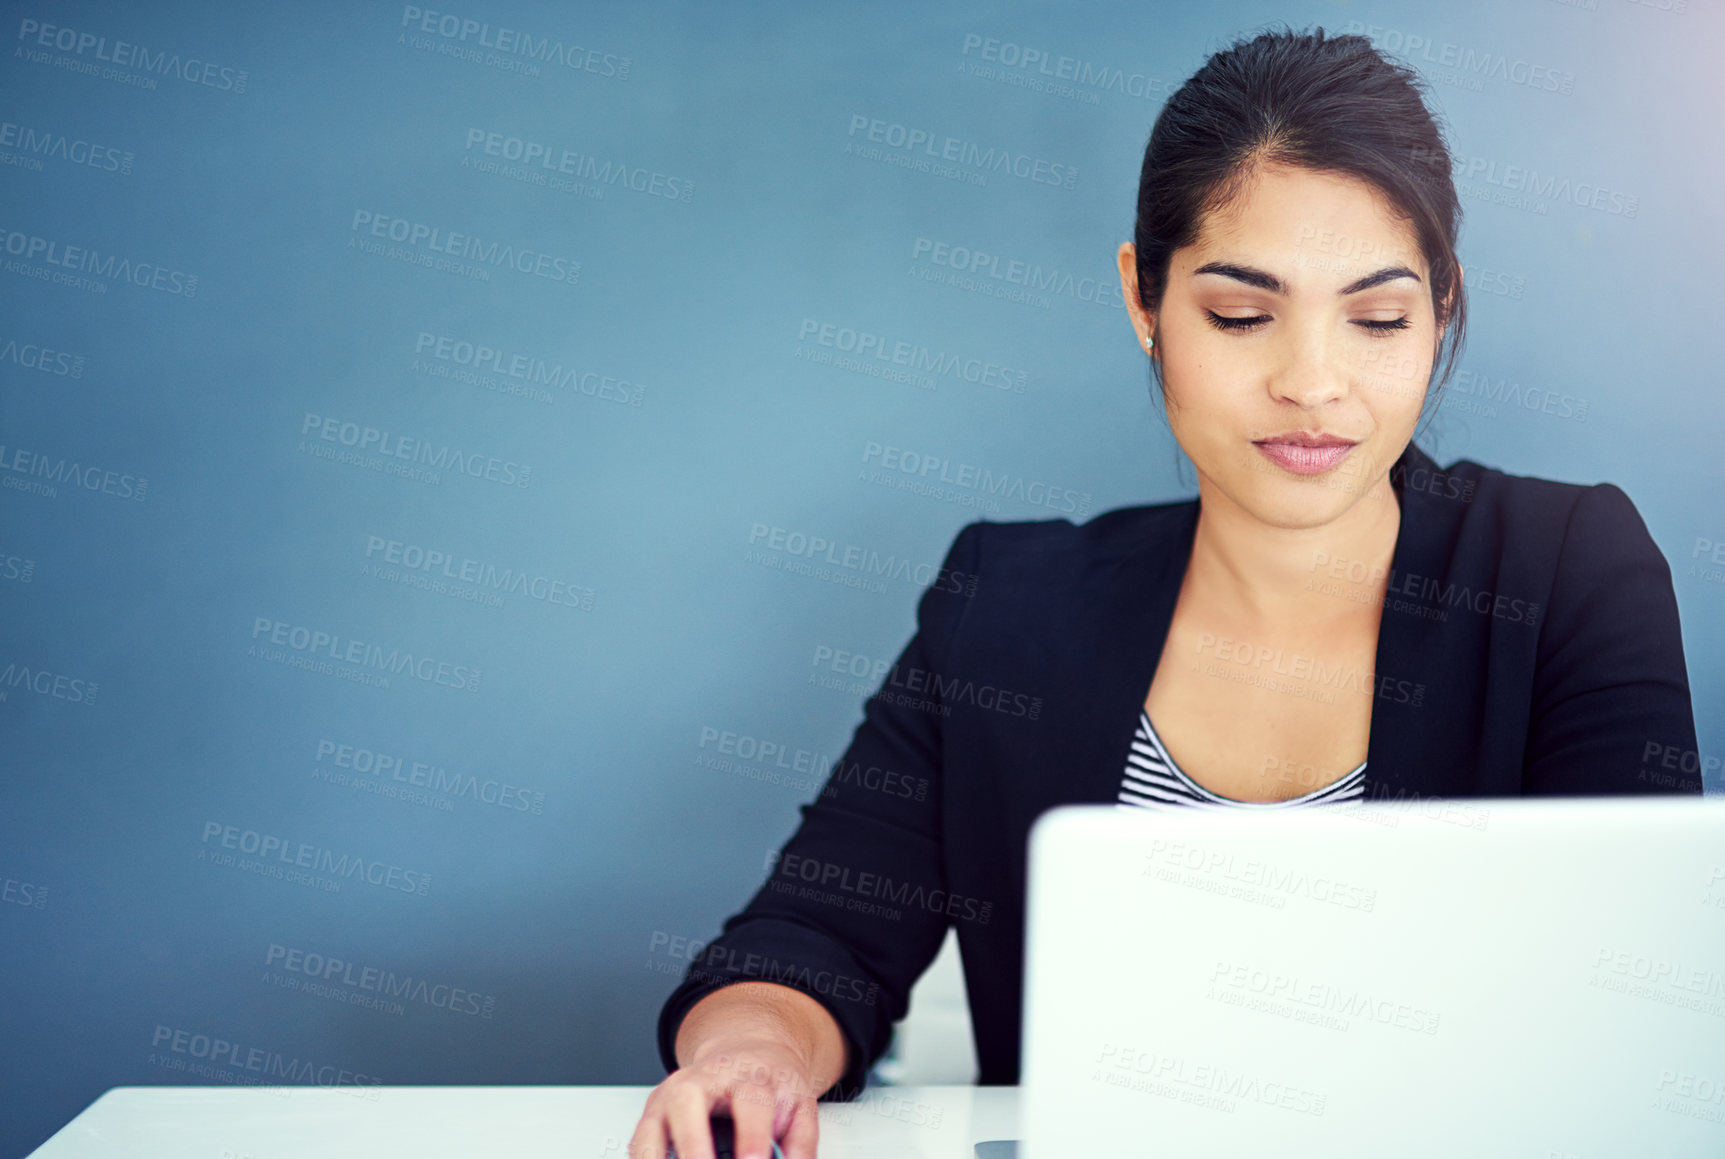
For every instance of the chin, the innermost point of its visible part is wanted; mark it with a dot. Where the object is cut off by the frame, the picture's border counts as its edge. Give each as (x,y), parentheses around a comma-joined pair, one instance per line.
(1295,502)
(1298,512)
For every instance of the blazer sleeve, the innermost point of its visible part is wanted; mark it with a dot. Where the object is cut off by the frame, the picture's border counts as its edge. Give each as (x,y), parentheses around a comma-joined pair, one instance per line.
(853,909)
(1611,710)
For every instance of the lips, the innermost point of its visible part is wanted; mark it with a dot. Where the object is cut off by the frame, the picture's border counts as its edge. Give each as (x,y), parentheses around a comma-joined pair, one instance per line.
(1308,439)
(1305,452)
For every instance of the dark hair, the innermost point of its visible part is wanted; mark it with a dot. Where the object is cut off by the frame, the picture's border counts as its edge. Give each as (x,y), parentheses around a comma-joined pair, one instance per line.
(1327,103)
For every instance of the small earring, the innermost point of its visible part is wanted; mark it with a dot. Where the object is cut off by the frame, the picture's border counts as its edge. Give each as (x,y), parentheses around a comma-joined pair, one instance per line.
(1149,342)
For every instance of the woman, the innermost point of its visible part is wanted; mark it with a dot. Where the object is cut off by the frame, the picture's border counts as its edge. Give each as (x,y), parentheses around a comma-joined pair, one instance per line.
(1333,618)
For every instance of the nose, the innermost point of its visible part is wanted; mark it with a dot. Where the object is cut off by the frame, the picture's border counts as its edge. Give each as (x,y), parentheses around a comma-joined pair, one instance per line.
(1308,372)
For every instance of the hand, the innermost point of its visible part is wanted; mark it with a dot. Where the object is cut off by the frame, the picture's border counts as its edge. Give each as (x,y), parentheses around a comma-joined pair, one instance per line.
(761,1081)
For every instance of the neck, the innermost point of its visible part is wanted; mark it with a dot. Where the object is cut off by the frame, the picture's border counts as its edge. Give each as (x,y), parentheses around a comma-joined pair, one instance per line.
(1288,575)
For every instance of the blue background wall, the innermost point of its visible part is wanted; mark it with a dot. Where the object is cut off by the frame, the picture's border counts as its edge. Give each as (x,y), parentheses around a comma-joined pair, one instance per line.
(575,769)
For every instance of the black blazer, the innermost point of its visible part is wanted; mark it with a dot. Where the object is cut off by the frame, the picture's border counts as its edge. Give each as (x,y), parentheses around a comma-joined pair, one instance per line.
(1529,644)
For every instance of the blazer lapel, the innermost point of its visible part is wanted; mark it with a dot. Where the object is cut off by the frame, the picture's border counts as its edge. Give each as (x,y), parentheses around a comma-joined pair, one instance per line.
(1127,625)
(1404,738)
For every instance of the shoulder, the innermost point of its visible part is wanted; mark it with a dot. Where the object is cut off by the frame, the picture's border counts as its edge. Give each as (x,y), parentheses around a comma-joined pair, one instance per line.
(1489,509)
(1022,572)
(1105,536)
(1574,560)
(1499,492)
(1030,585)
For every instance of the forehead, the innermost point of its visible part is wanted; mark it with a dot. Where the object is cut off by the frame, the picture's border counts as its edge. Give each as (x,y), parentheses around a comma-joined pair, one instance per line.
(1282,213)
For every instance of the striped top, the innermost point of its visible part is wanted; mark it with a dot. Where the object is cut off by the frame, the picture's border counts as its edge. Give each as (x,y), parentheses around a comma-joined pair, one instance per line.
(1154,781)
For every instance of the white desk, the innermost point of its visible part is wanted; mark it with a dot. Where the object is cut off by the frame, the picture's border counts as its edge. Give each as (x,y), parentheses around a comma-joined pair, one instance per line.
(500,1122)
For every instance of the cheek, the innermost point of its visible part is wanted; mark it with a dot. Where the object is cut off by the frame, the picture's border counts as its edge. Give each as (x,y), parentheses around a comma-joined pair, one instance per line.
(1393,376)
(1206,376)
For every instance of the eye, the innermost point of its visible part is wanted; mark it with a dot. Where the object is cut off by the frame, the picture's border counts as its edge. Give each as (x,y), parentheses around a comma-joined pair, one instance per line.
(1222,322)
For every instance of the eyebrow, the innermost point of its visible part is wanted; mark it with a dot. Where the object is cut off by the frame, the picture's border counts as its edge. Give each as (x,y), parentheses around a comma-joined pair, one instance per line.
(1264,280)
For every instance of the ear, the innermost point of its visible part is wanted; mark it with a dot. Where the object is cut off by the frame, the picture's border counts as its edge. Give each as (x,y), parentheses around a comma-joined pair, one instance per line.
(1454,296)
(1142,321)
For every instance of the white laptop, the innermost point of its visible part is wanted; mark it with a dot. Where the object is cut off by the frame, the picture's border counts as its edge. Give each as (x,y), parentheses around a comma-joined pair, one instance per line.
(1543,979)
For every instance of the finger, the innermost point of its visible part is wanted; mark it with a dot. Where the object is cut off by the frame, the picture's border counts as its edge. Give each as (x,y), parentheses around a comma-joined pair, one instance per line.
(648,1141)
(687,1113)
(753,1109)
(804,1130)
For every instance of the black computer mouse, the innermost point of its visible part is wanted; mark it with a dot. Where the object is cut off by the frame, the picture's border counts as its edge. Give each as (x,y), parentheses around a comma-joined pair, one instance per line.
(724,1139)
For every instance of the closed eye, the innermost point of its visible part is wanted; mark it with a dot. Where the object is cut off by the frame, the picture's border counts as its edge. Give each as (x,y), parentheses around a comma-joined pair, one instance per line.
(1223,322)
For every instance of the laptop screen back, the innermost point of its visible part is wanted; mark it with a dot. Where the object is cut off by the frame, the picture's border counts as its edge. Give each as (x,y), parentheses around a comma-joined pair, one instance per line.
(1533,978)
